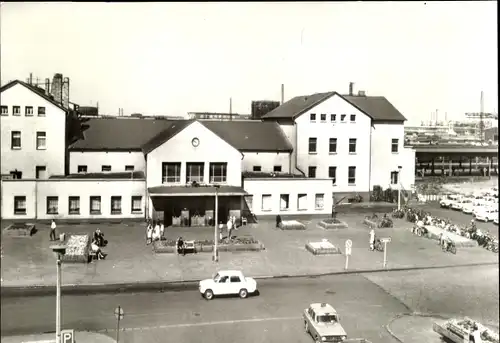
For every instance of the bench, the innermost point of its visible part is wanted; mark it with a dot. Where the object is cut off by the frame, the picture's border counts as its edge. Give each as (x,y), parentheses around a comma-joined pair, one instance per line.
(92,256)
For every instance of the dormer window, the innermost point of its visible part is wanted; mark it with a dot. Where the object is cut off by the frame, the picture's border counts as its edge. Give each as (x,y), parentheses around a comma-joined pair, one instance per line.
(312,117)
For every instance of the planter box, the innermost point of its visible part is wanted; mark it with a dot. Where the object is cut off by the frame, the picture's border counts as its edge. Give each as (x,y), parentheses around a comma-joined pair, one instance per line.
(20,230)
(330,224)
(77,258)
(322,248)
(369,222)
(161,248)
(292,225)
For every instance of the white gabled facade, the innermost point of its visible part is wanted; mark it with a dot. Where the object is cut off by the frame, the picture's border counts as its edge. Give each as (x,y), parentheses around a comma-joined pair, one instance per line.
(33,137)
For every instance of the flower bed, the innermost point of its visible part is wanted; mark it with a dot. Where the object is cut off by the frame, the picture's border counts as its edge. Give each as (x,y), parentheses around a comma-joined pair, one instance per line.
(292,225)
(20,230)
(247,243)
(332,223)
(77,249)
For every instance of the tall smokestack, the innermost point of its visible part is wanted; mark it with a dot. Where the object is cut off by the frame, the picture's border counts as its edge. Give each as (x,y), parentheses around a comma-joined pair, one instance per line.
(47,86)
(282,93)
(437,115)
(231,109)
(351,88)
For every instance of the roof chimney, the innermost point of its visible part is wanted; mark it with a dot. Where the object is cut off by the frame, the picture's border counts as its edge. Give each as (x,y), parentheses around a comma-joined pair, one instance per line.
(47,86)
(65,93)
(282,93)
(362,93)
(351,88)
(56,90)
(31,78)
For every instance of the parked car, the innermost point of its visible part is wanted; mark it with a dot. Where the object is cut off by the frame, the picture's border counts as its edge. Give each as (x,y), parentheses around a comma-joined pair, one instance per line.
(469,208)
(228,282)
(322,322)
(495,221)
(457,205)
(487,214)
(448,200)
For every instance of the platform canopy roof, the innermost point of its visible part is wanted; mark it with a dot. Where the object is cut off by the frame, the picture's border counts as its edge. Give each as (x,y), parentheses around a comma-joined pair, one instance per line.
(190,191)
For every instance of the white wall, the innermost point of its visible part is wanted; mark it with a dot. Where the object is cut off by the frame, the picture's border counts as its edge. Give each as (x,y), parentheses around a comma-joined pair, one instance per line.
(292,187)
(94,160)
(384,160)
(267,161)
(36,206)
(323,131)
(180,149)
(290,131)
(28,157)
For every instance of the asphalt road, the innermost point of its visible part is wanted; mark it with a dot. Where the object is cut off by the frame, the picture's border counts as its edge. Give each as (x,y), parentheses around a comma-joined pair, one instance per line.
(272,316)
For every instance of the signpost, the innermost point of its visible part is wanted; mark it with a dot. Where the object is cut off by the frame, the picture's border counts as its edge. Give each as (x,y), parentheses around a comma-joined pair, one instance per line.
(385,241)
(119,316)
(67,336)
(348,251)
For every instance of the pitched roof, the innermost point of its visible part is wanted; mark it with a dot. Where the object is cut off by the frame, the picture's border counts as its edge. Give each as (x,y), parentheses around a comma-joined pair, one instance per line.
(39,91)
(251,135)
(119,134)
(298,105)
(376,107)
(165,135)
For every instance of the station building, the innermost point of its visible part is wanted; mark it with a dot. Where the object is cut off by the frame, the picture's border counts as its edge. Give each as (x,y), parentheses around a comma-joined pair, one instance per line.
(299,158)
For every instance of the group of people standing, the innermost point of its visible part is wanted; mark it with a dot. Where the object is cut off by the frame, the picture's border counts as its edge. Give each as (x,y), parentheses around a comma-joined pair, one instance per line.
(155,231)
(231,225)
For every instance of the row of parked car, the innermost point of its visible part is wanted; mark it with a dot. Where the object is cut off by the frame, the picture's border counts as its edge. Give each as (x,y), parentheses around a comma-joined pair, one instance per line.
(483,206)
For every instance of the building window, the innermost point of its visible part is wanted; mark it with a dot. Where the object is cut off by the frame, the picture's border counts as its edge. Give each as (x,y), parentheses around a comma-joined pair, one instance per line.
(267,204)
(323,117)
(52,205)
(40,172)
(257,168)
(284,202)
(342,117)
(353,118)
(16,110)
(129,168)
(171,172)
(218,172)
(74,205)
(82,169)
(352,145)
(351,178)
(311,171)
(312,116)
(312,145)
(332,174)
(5,110)
(302,202)
(333,118)
(277,169)
(395,145)
(137,204)
(394,178)
(41,141)
(106,168)
(95,205)
(332,146)
(28,111)
(116,205)
(19,205)
(319,201)
(15,141)
(41,111)
(195,172)
(16,174)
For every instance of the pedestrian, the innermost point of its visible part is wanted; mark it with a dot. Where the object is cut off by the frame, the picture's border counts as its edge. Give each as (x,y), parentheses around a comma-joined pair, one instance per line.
(278,221)
(229,227)
(53,230)
(221,228)
(149,235)
(162,230)
(372,238)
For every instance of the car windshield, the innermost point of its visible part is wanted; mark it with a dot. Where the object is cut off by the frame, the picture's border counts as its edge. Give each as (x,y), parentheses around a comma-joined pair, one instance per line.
(216,277)
(327,318)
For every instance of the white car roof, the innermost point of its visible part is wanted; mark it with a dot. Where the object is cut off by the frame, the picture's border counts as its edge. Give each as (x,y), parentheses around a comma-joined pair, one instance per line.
(322,308)
(230,272)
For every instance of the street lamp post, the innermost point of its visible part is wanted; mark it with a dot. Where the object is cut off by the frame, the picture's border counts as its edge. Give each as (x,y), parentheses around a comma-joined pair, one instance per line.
(215,258)
(59,250)
(399,187)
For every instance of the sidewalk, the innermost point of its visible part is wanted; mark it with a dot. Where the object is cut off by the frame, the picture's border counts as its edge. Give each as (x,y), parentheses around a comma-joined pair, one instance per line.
(80,337)
(29,261)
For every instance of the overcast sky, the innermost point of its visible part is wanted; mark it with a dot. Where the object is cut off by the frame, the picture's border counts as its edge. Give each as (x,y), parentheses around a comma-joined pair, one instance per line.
(173,58)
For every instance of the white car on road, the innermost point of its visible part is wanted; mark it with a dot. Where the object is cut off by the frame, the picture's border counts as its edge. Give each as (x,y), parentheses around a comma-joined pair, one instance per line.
(228,282)
(459,204)
(448,200)
(469,208)
(487,214)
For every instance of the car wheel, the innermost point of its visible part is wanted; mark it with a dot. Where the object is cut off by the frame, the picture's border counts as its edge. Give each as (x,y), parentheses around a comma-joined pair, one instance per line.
(243,293)
(209,295)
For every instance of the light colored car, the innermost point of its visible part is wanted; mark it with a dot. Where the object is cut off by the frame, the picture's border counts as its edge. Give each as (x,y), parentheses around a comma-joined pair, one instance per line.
(457,205)
(448,200)
(495,219)
(228,282)
(470,207)
(322,322)
(486,214)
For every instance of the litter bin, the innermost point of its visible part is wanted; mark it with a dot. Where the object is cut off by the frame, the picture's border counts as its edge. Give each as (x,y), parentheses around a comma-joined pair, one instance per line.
(62,236)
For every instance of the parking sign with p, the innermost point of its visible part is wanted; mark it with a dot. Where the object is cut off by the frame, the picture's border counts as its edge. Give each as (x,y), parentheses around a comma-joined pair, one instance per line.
(67,336)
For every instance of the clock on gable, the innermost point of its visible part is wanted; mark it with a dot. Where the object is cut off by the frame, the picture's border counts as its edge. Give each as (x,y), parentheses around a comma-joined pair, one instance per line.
(195,142)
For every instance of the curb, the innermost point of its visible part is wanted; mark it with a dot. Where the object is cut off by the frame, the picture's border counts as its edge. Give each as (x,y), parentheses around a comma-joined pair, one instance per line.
(190,285)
